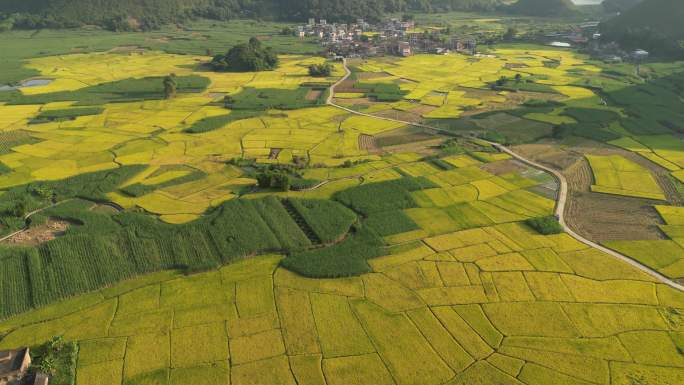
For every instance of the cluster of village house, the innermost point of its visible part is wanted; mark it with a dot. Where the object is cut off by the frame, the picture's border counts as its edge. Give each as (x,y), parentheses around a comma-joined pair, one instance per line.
(393,37)
(402,38)
(14,366)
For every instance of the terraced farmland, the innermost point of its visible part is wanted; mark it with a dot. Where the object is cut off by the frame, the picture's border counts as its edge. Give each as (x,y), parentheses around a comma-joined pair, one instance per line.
(398,256)
(498,304)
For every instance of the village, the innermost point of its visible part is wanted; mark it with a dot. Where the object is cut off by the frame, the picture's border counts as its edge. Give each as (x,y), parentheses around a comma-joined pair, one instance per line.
(403,37)
(392,37)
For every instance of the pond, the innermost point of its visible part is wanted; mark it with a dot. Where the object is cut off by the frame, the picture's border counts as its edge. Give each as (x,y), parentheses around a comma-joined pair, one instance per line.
(26,84)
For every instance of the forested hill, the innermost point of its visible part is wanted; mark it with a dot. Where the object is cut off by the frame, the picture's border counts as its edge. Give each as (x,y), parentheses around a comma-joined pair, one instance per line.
(147,14)
(654,25)
(550,8)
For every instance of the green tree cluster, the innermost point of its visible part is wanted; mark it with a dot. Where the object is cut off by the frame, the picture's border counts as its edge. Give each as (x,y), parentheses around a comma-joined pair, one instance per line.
(246,58)
(276,179)
(320,70)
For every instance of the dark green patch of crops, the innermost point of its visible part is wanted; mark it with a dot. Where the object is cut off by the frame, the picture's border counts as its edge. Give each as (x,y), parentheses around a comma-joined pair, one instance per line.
(289,234)
(216,122)
(102,249)
(345,259)
(19,201)
(441,164)
(327,219)
(127,90)
(390,223)
(590,115)
(383,92)
(259,99)
(65,114)
(14,138)
(594,131)
(383,196)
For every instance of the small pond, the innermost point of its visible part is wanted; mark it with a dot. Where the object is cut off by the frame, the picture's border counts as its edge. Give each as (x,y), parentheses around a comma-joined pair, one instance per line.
(26,84)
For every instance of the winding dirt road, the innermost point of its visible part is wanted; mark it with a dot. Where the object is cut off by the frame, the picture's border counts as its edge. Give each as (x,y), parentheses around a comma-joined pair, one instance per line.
(562,182)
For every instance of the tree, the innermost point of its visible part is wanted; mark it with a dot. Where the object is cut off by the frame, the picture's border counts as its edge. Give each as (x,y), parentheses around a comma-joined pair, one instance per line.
(170,86)
(502,81)
(228,101)
(246,58)
(510,34)
(320,70)
(47,365)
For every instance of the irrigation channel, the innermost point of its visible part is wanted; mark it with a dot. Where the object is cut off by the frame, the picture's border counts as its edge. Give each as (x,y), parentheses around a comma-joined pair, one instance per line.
(562,182)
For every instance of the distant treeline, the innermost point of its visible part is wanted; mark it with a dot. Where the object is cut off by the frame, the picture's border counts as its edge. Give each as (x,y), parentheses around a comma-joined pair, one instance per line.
(122,15)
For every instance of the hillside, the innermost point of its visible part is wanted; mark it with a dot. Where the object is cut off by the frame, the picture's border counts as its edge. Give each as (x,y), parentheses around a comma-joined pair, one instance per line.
(550,8)
(148,14)
(614,6)
(654,25)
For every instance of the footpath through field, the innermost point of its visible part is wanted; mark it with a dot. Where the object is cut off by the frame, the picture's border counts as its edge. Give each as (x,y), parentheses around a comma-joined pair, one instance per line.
(562,182)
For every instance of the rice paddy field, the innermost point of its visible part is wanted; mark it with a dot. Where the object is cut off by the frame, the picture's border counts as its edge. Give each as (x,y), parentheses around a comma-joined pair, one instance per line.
(496,304)
(402,257)
(617,175)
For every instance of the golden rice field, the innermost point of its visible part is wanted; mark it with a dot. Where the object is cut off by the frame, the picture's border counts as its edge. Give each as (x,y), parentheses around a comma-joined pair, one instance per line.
(471,296)
(153,132)
(617,175)
(492,305)
(452,75)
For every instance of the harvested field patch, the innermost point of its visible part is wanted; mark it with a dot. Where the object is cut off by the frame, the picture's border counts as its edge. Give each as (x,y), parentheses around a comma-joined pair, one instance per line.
(36,235)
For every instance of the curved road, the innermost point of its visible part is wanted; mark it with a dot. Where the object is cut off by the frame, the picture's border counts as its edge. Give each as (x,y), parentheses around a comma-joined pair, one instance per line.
(562,182)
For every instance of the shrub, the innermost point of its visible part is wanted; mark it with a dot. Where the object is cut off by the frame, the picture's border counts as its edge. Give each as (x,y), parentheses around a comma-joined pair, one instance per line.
(545,225)
(56,358)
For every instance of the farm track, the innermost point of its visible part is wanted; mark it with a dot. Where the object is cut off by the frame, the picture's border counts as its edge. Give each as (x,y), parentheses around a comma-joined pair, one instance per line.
(562,181)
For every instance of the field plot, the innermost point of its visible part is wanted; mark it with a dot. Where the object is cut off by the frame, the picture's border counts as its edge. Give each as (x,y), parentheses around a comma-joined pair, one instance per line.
(49,136)
(665,256)
(456,84)
(617,175)
(479,307)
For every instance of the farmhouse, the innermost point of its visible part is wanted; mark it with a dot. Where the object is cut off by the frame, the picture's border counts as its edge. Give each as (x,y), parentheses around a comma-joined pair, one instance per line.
(404,49)
(13,365)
